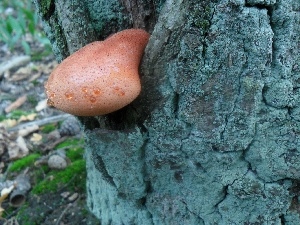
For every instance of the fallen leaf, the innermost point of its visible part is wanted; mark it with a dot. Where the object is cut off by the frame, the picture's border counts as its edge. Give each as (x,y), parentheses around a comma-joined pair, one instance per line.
(13,150)
(29,117)
(13,63)
(16,104)
(4,193)
(23,146)
(36,138)
(17,150)
(9,123)
(23,73)
(27,130)
(35,76)
(41,105)
(4,140)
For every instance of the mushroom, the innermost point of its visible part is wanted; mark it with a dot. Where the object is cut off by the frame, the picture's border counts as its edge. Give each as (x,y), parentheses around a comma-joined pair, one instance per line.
(101,77)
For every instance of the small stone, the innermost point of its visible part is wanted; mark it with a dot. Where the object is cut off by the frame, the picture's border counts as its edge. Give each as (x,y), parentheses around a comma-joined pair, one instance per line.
(65,194)
(70,127)
(73,197)
(53,135)
(57,162)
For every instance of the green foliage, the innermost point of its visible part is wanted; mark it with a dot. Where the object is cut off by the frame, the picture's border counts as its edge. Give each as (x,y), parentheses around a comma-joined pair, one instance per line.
(21,164)
(2,117)
(18,19)
(32,100)
(73,177)
(38,55)
(35,82)
(75,154)
(69,142)
(26,219)
(48,128)
(15,114)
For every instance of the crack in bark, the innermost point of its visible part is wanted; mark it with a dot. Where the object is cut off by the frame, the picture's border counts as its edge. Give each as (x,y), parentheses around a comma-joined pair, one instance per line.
(269,9)
(216,206)
(206,34)
(234,106)
(100,166)
(190,211)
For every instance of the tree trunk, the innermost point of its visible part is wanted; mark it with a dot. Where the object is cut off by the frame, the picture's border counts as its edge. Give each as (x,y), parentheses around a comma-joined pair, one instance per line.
(214,136)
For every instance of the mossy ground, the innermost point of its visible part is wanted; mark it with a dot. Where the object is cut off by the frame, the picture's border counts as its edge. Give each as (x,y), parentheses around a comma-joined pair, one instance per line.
(45,203)
(15,115)
(47,208)
(72,178)
(48,128)
(22,163)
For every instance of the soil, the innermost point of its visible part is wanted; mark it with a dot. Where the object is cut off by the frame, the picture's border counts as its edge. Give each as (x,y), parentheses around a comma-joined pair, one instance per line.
(55,207)
(52,209)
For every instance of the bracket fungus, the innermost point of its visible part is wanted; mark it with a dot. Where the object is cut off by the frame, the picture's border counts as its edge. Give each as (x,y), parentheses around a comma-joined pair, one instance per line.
(99,78)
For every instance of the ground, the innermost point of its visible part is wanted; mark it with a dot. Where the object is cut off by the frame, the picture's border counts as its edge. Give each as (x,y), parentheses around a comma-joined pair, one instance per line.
(56,196)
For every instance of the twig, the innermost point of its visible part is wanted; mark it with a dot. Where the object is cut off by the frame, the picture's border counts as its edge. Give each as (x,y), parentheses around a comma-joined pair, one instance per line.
(16,104)
(41,122)
(66,209)
(63,213)
(13,213)
(65,185)
(53,144)
(14,62)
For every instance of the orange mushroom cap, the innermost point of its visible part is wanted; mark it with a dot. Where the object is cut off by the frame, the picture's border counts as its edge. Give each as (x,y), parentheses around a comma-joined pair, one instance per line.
(99,78)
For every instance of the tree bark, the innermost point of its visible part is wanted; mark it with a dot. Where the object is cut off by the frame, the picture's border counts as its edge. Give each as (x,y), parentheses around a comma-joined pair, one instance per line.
(214,136)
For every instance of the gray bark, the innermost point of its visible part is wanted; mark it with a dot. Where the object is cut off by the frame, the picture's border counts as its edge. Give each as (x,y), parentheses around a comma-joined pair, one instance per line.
(214,136)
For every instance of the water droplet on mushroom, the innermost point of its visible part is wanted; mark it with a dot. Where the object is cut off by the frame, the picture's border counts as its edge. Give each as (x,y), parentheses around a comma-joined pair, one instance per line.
(84,89)
(52,95)
(50,102)
(93,99)
(69,95)
(96,91)
(119,91)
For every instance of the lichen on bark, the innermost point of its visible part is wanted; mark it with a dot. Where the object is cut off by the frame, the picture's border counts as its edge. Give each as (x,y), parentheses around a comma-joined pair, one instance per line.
(213,137)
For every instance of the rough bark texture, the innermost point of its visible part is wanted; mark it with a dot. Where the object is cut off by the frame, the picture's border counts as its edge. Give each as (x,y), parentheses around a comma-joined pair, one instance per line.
(214,136)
